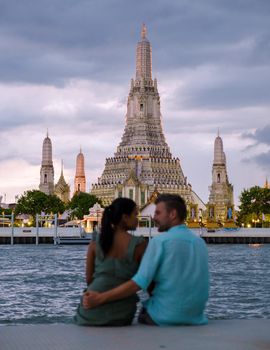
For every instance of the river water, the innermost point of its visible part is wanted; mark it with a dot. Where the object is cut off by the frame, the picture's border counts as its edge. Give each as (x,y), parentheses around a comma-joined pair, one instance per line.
(42,284)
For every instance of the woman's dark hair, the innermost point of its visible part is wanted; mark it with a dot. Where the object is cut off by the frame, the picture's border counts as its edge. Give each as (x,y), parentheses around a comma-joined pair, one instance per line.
(112,216)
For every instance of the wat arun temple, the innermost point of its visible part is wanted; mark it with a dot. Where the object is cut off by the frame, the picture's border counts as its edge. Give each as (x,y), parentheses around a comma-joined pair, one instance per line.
(143,164)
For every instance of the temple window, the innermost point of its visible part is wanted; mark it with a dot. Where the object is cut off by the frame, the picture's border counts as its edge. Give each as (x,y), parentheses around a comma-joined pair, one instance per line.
(142,197)
(141,107)
(45,178)
(218,177)
(131,193)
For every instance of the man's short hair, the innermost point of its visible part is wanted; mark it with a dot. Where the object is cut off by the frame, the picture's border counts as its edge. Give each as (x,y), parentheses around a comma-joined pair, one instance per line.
(173,201)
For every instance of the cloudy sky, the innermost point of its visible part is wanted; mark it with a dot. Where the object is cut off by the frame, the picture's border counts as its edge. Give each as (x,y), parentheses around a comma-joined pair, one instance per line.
(66,65)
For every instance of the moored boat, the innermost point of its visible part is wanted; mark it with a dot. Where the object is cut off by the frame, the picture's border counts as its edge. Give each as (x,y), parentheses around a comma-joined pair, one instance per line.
(86,239)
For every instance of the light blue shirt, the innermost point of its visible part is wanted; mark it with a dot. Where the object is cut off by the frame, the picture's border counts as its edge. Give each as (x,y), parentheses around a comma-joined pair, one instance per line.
(177,261)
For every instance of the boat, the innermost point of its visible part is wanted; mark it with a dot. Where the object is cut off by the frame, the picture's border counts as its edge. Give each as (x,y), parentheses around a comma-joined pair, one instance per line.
(212,230)
(231,229)
(222,230)
(85,239)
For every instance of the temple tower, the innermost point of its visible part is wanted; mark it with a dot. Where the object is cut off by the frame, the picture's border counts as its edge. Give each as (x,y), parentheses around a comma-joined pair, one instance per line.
(143,57)
(62,189)
(221,191)
(46,171)
(142,163)
(80,181)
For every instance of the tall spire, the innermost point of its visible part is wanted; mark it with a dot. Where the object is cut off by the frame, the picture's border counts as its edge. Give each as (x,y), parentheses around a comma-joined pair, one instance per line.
(47,151)
(143,31)
(80,181)
(143,119)
(221,191)
(47,171)
(143,57)
(219,155)
(80,164)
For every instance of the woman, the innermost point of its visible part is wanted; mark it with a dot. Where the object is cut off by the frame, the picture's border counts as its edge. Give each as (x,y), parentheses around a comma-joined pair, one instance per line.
(113,259)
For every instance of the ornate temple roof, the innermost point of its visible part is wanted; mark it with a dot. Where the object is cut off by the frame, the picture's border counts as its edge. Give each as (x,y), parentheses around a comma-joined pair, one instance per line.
(62,189)
(61,184)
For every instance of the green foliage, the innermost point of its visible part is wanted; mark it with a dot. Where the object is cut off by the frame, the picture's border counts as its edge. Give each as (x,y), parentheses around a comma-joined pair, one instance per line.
(254,202)
(5,211)
(80,204)
(54,205)
(34,202)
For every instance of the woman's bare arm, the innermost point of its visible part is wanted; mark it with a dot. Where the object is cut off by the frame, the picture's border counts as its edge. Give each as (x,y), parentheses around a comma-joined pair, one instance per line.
(139,251)
(90,262)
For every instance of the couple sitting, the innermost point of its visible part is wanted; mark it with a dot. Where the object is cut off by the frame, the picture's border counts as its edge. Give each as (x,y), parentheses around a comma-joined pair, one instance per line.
(173,268)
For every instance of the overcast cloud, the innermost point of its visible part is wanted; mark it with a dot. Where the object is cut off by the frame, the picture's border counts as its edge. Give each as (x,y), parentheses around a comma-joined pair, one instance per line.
(66,65)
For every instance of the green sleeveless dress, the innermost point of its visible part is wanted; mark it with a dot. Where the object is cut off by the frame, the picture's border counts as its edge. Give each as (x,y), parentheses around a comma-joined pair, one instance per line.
(110,273)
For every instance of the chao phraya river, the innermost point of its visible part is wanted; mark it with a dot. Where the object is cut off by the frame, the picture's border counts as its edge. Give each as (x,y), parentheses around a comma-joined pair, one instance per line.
(42,284)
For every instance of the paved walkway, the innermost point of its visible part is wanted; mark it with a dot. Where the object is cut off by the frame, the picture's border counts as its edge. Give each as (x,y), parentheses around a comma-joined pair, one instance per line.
(221,335)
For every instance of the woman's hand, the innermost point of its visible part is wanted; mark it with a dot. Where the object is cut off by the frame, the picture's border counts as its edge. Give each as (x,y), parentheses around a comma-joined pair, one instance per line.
(91,299)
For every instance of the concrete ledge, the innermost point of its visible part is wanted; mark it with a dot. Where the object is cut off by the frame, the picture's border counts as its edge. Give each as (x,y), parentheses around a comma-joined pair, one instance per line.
(222,335)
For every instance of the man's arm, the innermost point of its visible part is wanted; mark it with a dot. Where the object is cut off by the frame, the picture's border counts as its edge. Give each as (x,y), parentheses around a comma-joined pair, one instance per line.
(94,299)
(145,275)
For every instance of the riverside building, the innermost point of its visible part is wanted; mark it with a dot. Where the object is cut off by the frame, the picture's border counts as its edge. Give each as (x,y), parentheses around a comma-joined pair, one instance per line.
(143,165)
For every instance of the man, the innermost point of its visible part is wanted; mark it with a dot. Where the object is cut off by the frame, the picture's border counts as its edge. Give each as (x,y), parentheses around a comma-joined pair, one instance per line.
(176,262)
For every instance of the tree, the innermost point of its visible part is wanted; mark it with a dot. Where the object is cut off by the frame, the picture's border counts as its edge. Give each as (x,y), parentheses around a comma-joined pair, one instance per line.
(4,211)
(81,202)
(54,205)
(34,202)
(254,202)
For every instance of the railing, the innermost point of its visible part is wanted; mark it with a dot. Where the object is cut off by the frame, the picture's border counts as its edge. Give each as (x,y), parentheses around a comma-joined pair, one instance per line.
(38,231)
(10,220)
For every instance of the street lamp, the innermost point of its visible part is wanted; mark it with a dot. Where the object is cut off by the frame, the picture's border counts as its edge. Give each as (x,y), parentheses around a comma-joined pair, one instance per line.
(255,221)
